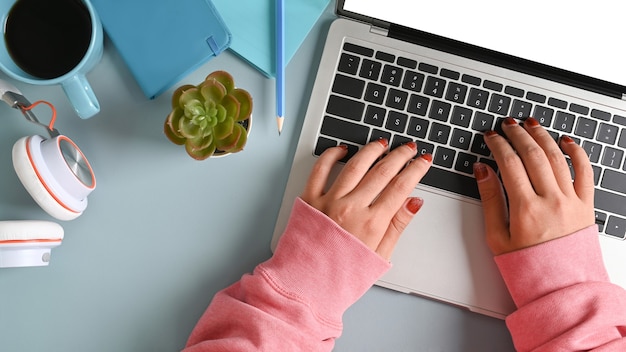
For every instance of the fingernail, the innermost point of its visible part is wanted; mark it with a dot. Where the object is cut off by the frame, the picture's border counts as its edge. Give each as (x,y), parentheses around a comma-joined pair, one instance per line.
(480,171)
(567,139)
(428,157)
(384,142)
(414,204)
(412,145)
(531,122)
(490,133)
(509,121)
(343,146)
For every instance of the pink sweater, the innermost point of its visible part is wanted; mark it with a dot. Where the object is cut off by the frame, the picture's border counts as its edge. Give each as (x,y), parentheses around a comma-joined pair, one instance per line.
(296,299)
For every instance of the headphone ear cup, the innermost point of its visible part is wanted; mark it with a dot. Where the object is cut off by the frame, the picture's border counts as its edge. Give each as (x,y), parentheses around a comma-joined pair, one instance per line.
(28,242)
(41,178)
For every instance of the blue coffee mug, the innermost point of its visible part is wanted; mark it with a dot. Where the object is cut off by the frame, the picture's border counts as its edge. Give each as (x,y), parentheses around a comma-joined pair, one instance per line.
(74,82)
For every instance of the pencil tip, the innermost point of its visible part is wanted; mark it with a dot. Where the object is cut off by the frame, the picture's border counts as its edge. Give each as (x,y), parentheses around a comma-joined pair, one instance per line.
(279,123)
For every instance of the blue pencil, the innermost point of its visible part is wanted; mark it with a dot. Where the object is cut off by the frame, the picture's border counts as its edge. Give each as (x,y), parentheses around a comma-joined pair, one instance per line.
(280,64)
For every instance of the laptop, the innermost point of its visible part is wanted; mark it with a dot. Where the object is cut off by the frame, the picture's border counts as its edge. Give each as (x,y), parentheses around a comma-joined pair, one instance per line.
(441,73)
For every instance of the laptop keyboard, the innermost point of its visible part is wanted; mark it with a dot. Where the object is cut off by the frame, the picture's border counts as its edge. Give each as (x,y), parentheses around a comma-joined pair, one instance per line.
(377,94)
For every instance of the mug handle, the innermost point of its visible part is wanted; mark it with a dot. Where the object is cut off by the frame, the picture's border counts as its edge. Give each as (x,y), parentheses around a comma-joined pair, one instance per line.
(81,96)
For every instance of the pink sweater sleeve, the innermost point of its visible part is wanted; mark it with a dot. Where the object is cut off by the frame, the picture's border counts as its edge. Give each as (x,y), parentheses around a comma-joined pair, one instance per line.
(296,299)
(564,298)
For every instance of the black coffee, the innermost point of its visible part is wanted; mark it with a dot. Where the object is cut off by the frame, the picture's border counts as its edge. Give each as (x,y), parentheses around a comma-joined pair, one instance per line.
(47,38)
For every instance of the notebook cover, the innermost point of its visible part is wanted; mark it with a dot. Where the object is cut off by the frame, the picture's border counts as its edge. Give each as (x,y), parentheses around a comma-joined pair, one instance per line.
(162,41)
(252,23)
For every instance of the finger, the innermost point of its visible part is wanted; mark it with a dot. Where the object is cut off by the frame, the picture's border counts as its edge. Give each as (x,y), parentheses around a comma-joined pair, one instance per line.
(583,173)
(495,211)
(536,163)
(555,156)
(512,169)
(354,170)
(321,170)
(401,186)
(379,176)
(397,225)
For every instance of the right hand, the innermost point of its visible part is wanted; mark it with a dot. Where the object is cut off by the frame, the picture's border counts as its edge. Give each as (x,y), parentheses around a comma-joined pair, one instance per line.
(543,202)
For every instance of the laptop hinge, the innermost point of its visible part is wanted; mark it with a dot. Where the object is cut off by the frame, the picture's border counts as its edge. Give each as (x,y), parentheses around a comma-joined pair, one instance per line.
(624,96)
(379,27)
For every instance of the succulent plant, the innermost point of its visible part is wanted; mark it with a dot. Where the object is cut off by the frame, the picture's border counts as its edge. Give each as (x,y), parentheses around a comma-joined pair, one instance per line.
(211,118)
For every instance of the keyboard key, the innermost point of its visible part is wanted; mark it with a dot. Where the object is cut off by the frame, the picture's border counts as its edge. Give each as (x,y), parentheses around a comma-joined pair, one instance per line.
(461,116)
(600,220)
(461,139)
(451,181)
(425,148)
(616,227)
(521,109)
(381,55)
(345,107)
(428,68)
(607,133)
(440,110)
(380,134)
(465,163)
(490,162)
(348,64)
(345,130)
(357,49)
(456,92)
(514,91)
(543,115)
(352,149)
(398,141)
(323,144)
(493,85)
(413,81)
(537,98)
(622,139)
(477,98)
(417,127)
(611,202)
(621,120)
(439,133)
(375,93)
(370,69)
(593,150)
(479,146)
(392,75)
(397,99)
(612,157)
(374,115)
(418,105)
(396,121)
(586,128)
(349,86)
(408,63)
(449,74)
(564,122)
(482,122)
(578,109)
(444,157)
(471,80)
(434,87)
(557,103)
(499,105)
(597,171)
(601,115)
(615,181)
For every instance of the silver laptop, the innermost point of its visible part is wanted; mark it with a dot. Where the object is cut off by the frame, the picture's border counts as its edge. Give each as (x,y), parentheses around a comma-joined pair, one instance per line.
(442,72)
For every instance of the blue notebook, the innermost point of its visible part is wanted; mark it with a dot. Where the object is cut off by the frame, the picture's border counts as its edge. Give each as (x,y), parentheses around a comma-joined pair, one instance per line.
(252,23)
(162,41)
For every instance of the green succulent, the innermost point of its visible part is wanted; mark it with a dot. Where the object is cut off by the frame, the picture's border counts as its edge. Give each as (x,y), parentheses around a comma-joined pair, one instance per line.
(211,118)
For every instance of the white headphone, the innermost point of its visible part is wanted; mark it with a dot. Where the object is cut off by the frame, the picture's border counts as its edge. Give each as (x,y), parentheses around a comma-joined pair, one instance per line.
(59,178)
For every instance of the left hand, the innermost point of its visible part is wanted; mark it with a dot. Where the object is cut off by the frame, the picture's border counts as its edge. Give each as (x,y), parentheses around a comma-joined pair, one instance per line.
(369,201)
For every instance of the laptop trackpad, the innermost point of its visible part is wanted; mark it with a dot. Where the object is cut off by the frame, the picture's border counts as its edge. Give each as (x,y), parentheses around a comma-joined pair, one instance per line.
(443,255)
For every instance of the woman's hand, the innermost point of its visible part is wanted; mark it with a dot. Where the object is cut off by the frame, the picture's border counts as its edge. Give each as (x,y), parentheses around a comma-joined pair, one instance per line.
(369,201)
(543,202)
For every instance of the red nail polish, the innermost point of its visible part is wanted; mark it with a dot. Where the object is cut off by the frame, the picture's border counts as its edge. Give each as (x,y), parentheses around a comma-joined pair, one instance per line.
(490,133)
(384,142)
(480,171)
(567,139)
(531,122)
(414,204)
(428,157)
(412,145)
(509,121)
(343,146)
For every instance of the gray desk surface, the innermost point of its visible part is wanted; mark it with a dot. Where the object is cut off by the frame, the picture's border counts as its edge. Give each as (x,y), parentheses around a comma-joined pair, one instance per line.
(163,232)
